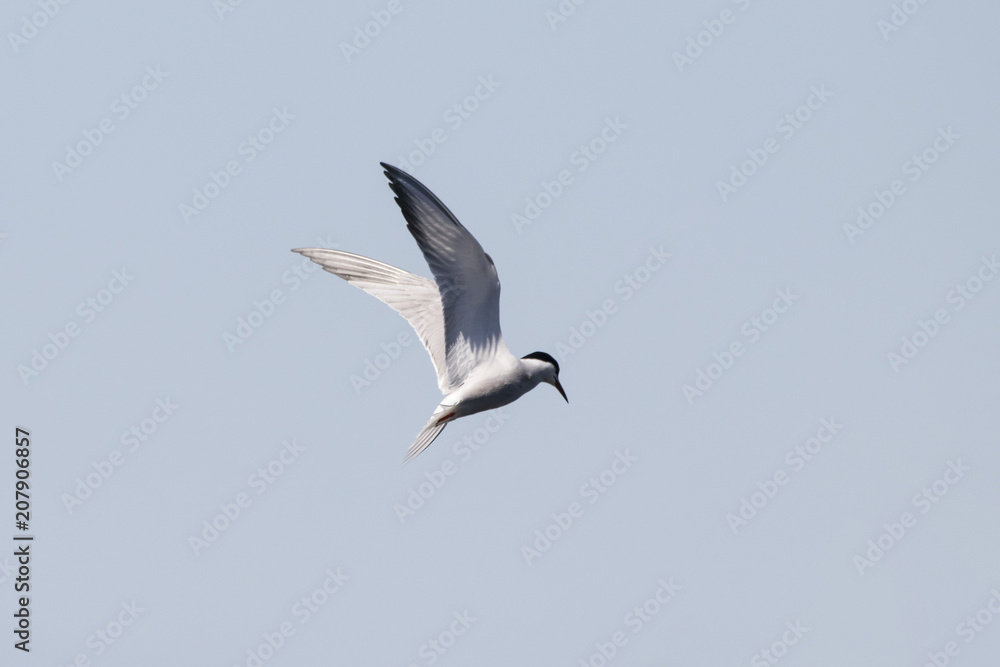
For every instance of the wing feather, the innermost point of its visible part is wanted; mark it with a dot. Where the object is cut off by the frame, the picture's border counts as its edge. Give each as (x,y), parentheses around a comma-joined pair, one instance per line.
(466,276)
(414,297)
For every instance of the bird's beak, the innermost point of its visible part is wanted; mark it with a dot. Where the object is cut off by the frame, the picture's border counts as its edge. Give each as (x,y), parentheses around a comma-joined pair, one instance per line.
(558,386)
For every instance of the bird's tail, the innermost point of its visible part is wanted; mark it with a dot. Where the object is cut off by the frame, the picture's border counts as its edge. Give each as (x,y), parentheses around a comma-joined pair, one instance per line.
(427,435)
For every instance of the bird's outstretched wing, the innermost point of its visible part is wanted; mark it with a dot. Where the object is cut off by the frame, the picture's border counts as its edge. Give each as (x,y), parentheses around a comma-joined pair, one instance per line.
(414,297)
(466,277)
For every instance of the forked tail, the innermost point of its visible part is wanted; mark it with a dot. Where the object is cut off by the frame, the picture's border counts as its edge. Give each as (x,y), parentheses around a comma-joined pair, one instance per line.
(426,437)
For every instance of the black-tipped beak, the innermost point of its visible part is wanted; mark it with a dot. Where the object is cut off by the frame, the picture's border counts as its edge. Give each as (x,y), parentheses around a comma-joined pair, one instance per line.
(558,386)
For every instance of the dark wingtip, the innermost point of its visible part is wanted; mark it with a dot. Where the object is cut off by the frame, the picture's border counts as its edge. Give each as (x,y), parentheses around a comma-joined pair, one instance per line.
(391,171)
(396,178)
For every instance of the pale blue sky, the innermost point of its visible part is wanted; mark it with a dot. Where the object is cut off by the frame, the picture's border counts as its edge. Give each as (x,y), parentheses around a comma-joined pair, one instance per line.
(208,145)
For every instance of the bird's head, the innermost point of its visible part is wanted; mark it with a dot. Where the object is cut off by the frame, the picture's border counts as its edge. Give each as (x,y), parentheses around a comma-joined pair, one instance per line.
(547,369)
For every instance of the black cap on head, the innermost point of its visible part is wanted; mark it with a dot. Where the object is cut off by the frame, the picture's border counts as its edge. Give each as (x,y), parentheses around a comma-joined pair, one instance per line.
(543,356)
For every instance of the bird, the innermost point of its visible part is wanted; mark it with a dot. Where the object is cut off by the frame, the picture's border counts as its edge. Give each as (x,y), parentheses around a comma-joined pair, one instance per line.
(456,316)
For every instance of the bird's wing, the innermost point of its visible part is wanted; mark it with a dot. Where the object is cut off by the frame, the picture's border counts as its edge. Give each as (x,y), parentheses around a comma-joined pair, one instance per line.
(466,277)
(414,297)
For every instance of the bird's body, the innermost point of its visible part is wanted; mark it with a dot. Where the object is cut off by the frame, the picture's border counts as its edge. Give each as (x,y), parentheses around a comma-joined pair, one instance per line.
(495,385)
(456,316)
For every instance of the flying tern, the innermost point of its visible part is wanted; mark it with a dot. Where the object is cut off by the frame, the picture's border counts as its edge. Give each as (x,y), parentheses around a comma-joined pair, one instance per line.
(456,315)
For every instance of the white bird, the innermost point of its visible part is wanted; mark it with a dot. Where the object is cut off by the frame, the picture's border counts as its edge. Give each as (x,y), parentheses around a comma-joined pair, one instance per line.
(456,315)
